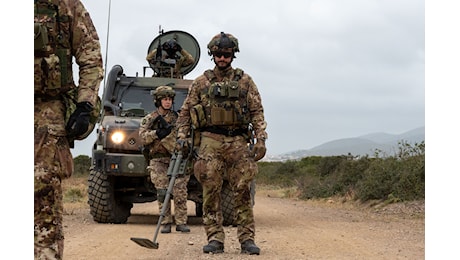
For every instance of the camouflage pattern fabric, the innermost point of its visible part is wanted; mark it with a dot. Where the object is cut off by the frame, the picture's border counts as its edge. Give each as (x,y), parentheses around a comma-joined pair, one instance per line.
(80,41)
(219,153)
(158,169)
(147,133)
(198,94)
(52,158)
(185,60)
(158,166)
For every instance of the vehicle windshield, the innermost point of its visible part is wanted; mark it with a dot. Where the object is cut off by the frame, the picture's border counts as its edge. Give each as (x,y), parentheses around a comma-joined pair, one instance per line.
(136,98)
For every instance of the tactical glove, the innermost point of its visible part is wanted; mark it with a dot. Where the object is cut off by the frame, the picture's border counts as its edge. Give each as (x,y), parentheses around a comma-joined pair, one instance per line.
(79,120)
(259,150)
(163,132)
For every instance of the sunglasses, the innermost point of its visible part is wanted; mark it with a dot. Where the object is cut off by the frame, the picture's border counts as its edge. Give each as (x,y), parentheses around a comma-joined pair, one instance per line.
(219,54)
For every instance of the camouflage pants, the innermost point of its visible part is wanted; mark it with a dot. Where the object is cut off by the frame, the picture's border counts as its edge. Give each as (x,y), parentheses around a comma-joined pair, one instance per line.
(217,155)
(158,169)
(52,163)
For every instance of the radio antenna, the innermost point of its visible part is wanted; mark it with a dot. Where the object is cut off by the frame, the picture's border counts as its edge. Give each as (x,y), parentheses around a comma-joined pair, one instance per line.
(107,42)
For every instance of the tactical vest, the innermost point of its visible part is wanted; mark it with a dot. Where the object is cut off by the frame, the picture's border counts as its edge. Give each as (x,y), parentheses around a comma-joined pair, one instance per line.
(52,62)
(227,106)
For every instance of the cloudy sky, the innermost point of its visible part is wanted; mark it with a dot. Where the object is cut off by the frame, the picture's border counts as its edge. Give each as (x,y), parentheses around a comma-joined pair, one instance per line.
(326,69)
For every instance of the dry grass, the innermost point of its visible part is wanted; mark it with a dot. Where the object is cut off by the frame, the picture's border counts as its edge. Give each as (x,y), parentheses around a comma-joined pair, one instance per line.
(75,194)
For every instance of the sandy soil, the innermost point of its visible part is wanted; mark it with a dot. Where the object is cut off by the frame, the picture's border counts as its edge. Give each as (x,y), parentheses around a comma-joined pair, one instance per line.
(286,228)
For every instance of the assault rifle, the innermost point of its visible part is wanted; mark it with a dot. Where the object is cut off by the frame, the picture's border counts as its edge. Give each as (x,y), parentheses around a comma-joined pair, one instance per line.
(162,124)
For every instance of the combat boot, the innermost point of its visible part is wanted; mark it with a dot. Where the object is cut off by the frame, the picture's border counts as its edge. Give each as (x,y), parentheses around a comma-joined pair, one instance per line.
(214,247)
(182,228)
(249,247)
(166,228)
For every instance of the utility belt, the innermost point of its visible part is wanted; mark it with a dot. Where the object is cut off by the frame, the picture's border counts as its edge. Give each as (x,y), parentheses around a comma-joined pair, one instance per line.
(46,98)
(160,155)
(224,131)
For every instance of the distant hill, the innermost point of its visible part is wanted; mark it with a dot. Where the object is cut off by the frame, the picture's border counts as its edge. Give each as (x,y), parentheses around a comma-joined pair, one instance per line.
(361,145)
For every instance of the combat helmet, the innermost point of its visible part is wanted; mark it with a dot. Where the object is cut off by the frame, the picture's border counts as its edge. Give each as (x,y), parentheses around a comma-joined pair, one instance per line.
(223,42)
(161,92)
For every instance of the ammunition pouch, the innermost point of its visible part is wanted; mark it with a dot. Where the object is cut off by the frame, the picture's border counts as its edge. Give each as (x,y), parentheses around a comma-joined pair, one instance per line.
(41,40)
(47,75)
(227,89)
(198,117)
(223,116)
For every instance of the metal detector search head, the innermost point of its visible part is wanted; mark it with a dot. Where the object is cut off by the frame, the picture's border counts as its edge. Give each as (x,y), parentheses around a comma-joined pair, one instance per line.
(145,242)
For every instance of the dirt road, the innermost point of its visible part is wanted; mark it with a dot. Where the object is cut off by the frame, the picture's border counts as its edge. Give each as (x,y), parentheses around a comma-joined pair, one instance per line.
(285,229)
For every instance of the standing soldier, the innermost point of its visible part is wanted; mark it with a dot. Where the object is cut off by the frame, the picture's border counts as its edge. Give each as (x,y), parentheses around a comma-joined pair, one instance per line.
(222,104)
(63,30)
(170,48)
(153,130)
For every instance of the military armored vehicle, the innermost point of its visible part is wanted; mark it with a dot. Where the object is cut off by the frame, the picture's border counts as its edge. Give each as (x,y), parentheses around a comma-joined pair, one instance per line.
(118,176)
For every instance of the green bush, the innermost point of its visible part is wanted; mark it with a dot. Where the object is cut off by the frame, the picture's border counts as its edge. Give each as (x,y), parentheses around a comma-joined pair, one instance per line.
(398,178)
(401,177)
(81,164)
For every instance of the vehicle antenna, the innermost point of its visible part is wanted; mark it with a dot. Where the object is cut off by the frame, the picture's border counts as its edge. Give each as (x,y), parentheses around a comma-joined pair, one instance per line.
(107,43)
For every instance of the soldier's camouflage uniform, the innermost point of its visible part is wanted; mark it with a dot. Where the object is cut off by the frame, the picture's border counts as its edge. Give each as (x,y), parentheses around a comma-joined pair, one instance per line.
(158,167)
(53,161)
(219,153)
(185,60)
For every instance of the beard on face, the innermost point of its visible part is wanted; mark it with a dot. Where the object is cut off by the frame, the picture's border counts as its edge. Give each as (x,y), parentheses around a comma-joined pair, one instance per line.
(222,65)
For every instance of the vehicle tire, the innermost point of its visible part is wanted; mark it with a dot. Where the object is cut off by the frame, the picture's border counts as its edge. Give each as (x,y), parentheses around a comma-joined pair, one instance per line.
(104,206)
(227,204)
(228,211)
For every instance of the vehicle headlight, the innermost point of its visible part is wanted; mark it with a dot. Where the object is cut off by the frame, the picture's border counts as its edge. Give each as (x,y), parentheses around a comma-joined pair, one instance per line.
(117,137)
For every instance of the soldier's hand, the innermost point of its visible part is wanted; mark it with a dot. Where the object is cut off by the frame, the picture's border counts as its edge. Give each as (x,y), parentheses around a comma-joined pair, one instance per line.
(259,150)
(79,120)
(178,47)
(182,145)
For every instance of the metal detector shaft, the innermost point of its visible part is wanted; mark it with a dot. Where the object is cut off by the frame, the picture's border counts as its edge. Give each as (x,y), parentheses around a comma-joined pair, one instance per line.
(173,170)
(174,167)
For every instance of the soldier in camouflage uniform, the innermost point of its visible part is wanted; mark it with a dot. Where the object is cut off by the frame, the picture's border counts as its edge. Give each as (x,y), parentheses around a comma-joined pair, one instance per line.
(222,104)
(153,132)
(170,48)
(63,30)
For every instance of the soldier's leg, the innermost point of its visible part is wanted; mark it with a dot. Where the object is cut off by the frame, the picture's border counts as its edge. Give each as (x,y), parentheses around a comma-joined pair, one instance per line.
(208,171)
(180,199)
(180,203)
(48,233)
(52,163)
(158,173)
(241,174)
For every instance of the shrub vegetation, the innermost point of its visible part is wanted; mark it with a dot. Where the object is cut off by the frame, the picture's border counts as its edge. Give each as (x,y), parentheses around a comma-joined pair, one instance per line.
(395,178)
(400,177)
